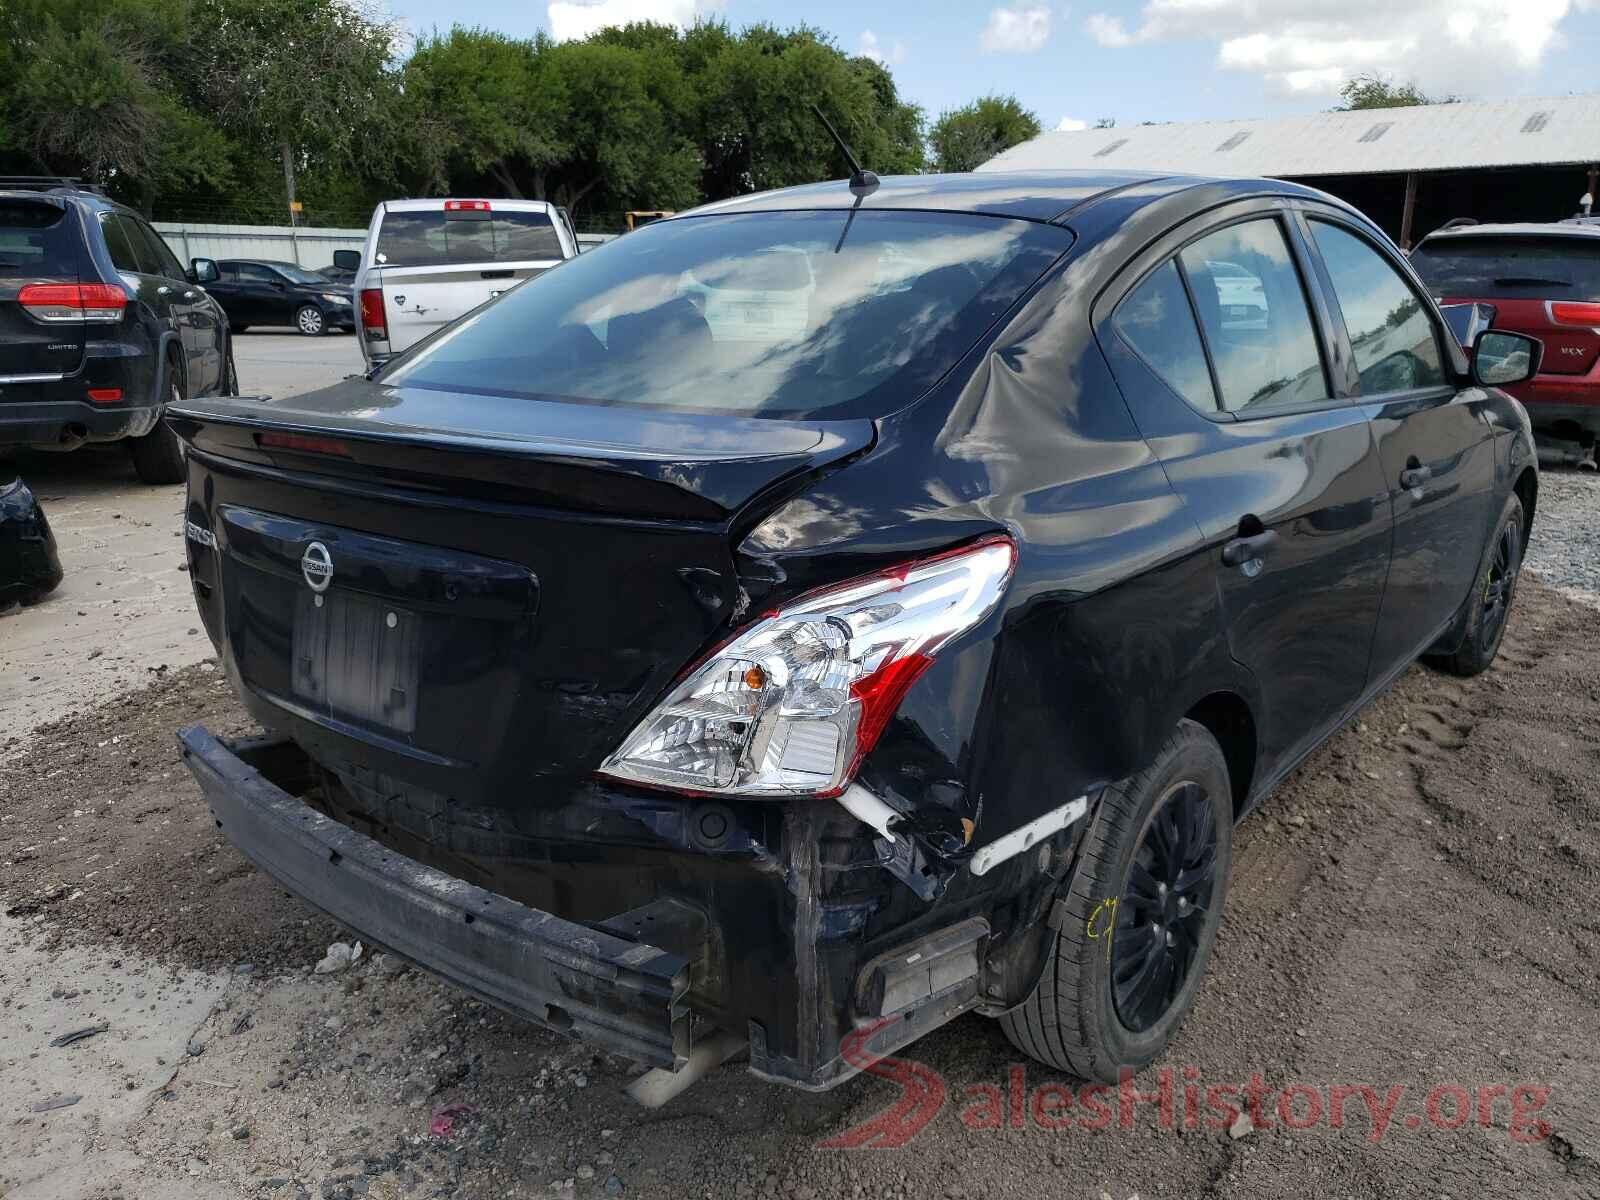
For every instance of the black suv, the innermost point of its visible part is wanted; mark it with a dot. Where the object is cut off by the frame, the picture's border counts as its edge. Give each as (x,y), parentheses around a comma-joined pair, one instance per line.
(100,327)
(265,292)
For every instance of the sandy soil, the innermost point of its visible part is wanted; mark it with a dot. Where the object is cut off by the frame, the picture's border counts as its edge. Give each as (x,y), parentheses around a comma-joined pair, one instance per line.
(1413,910)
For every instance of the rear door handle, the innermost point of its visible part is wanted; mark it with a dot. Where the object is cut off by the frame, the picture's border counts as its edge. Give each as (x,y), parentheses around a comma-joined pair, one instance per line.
(1248,549)
(1415,477)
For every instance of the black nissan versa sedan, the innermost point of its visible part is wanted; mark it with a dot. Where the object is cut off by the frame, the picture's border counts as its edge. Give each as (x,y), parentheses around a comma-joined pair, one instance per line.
(816,616)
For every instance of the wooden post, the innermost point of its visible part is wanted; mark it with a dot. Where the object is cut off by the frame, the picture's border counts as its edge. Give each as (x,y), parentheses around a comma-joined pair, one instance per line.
(1409,211)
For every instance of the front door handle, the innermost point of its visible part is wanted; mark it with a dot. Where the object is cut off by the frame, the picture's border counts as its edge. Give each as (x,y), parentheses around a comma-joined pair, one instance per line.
(1242,550)
(1415,477)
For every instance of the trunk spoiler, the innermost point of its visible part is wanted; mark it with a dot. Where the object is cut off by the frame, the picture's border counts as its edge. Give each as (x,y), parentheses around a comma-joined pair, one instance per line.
(626,462)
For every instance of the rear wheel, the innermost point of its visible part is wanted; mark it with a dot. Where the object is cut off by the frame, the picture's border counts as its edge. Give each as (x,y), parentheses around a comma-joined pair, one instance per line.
(1489,605)
(1142,913)
(158,455)
(308,320)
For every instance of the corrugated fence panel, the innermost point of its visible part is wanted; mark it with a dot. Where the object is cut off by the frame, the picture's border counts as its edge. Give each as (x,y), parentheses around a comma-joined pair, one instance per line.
(309,245)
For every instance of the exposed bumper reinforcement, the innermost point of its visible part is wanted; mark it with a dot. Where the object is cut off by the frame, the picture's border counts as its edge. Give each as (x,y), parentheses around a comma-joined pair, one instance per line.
(626,996)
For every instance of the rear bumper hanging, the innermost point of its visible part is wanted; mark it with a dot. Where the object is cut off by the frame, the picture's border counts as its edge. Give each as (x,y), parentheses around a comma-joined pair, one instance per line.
(626,996)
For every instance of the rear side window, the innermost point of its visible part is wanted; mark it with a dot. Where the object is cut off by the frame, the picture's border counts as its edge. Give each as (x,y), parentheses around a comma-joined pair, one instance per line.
(36,240)
(1158,323)
(429,239)
(1393,339)
(1253,310)
(776,314)
(1496,267)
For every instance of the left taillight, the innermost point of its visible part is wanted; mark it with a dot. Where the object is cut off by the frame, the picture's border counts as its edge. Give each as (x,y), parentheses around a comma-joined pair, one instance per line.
(74,303)
(794,703)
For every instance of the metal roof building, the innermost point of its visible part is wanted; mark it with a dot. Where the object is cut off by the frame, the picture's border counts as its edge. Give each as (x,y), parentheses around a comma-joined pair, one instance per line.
(1528,159)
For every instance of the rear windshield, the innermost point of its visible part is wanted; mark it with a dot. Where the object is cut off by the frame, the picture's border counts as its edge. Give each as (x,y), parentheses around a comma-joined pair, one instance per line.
(1510,268)
(431,239)
(36,239)
(793,314)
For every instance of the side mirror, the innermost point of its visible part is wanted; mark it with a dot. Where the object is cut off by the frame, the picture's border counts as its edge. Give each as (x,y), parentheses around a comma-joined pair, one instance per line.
(1499,358)
(347,260)
(204,270)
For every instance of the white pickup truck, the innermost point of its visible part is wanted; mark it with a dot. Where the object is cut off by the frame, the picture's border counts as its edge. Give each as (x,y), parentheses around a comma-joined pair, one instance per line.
(426,262)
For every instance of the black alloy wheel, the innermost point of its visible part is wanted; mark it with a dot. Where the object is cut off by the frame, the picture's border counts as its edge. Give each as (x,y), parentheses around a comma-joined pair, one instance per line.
(1499,580)
(1163,909)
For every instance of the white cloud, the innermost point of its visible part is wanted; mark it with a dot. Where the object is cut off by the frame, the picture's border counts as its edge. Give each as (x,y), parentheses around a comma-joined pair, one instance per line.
(1071,125)
(1311,46)
(1108,31)
(1020,29)
(573,20)
(871,47)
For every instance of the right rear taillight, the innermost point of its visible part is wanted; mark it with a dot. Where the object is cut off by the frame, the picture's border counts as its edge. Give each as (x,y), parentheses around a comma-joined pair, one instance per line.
(372,318)
(793,703)
(1574,312)
(74,303)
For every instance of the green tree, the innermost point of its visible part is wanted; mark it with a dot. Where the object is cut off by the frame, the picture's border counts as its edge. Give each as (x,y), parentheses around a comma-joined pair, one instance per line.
(757,129)
(87,88)
(1379,91)
(309,82)
(479,103)
(964,138)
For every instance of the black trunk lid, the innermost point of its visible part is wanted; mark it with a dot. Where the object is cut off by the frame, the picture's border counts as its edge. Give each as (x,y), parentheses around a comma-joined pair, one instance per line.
(474,603)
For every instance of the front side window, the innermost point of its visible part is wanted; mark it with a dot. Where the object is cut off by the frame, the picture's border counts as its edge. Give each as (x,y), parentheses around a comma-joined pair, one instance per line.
(1257,324)
(775,314)
(154,250)
(1393,339)
(119,241)
(1157,321)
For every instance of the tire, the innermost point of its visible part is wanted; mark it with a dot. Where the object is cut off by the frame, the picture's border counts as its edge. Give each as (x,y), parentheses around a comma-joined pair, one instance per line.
(241,328)
(158,455)
(1085,1014)
(1489,605)
(308,319)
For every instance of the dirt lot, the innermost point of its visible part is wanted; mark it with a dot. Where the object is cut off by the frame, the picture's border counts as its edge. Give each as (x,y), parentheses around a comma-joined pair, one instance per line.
(1413,910)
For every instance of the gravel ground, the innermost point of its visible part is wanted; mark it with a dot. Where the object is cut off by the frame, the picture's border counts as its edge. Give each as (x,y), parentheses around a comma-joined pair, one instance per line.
(1565,548)
(1413,909)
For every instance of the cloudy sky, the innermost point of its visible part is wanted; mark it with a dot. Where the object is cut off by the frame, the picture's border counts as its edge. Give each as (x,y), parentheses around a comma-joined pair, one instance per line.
(1158,60)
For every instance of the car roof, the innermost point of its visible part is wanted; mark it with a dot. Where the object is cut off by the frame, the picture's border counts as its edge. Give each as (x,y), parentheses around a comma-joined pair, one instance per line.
(1557,229)
(94,201)
(265,262)
(1028,195)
